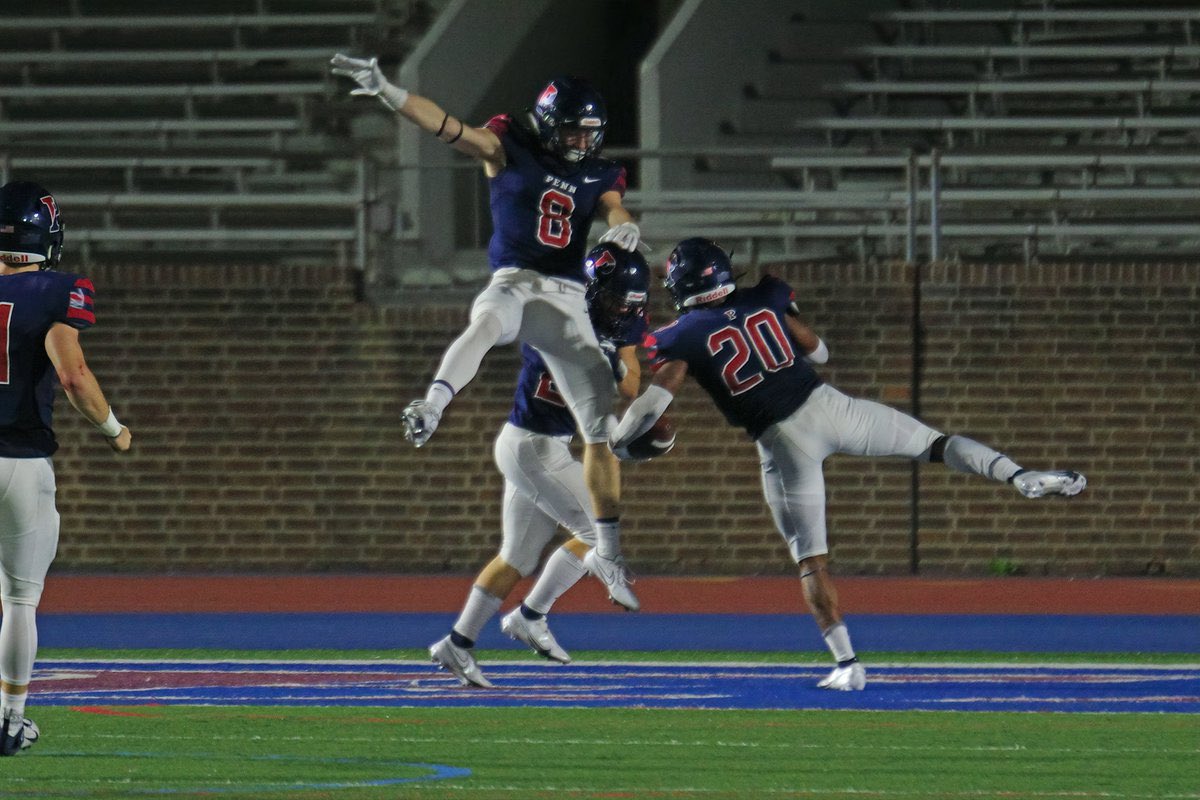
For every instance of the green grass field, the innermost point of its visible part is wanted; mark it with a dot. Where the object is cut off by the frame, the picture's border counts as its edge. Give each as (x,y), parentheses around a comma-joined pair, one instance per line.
(345,753)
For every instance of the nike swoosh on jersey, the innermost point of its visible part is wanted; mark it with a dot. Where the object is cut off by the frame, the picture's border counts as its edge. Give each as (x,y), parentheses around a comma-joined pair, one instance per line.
(590,180)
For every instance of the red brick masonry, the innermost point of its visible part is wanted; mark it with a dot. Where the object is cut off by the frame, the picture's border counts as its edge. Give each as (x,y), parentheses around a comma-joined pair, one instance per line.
(420,593)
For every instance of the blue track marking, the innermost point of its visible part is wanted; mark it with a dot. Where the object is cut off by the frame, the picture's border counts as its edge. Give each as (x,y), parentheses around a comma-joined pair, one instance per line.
(891,687)
(747,632)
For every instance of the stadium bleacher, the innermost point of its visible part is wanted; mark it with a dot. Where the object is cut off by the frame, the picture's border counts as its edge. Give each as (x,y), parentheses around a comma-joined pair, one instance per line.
(1030,117)
(1054,120)
(215,133)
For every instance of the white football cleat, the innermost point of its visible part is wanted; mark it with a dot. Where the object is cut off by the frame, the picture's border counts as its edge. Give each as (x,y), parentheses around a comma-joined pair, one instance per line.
(535,633)
(615,577)
(24,736)
(850,678)
(458,661)
(420,419)
(1039,484)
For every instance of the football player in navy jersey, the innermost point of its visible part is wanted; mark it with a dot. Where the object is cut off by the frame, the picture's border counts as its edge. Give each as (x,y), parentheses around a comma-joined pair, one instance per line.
(547,182)
(543,483)
(750,351)
(41,315)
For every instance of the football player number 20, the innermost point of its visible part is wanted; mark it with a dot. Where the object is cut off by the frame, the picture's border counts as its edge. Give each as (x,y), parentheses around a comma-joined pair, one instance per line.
(761,334)
(554,218)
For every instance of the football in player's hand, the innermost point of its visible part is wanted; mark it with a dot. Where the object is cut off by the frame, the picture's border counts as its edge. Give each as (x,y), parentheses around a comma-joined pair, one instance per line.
(655,442)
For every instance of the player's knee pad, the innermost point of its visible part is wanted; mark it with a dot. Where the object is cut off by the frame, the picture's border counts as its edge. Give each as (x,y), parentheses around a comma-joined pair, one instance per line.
(495,322)
(22,593)
(523,559)
(595,430)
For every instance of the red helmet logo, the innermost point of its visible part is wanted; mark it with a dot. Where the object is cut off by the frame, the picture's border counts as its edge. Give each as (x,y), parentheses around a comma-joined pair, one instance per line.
(548,94)
(52,207)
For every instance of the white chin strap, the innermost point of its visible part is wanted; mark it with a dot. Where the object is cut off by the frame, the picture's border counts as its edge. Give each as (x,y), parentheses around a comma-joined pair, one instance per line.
(708,297)
(10,257)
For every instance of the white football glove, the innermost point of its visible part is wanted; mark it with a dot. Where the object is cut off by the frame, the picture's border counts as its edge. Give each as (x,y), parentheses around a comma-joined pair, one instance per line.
(624,236)
(369,77)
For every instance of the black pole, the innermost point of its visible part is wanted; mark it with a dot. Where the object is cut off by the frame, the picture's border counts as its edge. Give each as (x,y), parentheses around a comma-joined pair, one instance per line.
(918,357)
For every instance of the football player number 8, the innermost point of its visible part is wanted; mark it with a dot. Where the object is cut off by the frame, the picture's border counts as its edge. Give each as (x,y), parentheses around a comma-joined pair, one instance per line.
(554,219)
(760,333)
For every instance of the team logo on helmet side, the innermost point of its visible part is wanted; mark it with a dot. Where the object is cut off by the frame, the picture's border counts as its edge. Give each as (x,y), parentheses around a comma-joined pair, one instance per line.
(548,95)
(51,206)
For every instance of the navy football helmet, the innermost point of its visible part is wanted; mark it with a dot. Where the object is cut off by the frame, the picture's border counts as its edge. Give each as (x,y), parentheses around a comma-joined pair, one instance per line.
(569,108)
(698,271)
(618,288)
(31,228)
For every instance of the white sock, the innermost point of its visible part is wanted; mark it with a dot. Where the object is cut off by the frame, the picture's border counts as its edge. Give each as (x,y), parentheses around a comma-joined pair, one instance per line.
(18,643)
(837,639)
(463,357)
(480,607)
(563,570)
(13,706)
(608,537)
(967,455)
(18,648)
(439,396)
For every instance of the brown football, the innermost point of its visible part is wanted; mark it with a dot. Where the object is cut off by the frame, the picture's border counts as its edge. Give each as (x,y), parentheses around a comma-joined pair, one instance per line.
(655,442)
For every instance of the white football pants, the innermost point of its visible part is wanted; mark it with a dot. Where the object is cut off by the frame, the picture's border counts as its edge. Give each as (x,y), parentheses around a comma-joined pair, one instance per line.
(791,453)
(28,542)
(550,314)
(543,489)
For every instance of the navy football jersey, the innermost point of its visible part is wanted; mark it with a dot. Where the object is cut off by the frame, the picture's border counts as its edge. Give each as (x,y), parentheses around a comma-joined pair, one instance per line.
(30,303)
(542,211)
(537,405)
(743,355)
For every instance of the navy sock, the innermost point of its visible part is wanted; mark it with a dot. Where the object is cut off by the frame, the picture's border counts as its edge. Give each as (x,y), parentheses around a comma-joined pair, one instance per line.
(848,662)
(461,641)
(529,613)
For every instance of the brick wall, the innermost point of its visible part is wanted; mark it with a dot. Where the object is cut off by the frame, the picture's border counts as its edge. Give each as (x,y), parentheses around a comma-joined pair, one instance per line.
(264,406)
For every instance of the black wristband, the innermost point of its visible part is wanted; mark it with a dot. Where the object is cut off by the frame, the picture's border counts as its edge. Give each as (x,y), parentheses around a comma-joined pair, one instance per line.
(461,127)
(442,127)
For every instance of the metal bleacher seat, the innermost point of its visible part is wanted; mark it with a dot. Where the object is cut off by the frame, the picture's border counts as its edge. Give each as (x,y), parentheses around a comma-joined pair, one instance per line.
(1031,25)
(984,96)
(215,130)
(1000,60)
(997,130)
(948,130)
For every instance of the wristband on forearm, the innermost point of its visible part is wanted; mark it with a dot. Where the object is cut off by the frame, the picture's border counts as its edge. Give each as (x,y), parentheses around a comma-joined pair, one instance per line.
(110,427)
(819,355)
(393,96)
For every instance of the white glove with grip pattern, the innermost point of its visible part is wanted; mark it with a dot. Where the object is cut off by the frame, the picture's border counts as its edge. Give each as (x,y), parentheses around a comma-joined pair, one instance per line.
(624,236)
(369,77)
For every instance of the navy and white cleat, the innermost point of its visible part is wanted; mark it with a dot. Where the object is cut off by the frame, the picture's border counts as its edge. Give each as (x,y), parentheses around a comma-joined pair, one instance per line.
(615,576)
(850,678)
(535,633)
(15,738)
(420,419)
(1039,484)
(459,662)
